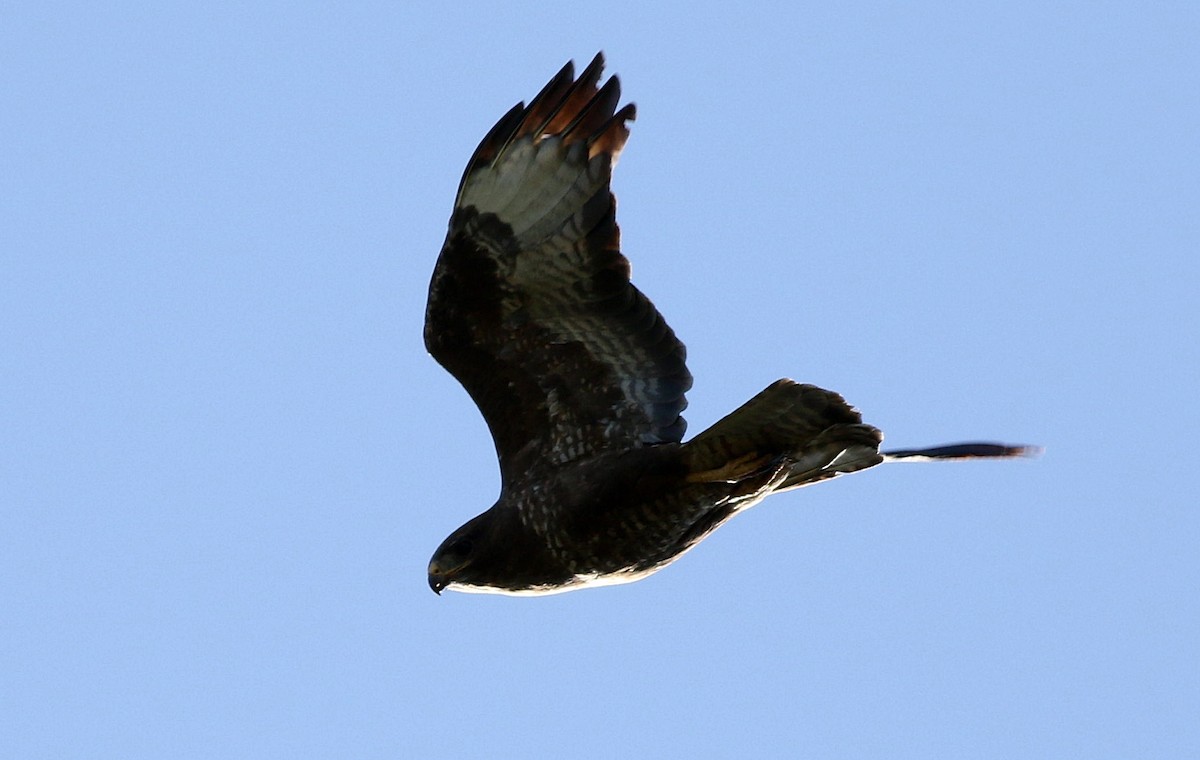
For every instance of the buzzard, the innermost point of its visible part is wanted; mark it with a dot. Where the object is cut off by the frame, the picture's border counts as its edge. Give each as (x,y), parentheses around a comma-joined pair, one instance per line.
(582,382)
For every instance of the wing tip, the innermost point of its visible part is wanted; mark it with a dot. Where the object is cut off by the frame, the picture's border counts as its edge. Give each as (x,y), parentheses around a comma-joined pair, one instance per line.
(574,108)
(610,139)
(973,450)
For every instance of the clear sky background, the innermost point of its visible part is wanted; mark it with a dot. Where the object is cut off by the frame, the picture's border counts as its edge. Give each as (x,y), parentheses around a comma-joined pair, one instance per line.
(226,456)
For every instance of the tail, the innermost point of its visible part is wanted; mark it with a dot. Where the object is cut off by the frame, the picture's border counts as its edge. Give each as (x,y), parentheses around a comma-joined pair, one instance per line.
(801,433)
(792,435)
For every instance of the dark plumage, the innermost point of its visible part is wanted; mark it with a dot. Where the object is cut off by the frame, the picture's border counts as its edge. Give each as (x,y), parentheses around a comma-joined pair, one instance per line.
(582,382)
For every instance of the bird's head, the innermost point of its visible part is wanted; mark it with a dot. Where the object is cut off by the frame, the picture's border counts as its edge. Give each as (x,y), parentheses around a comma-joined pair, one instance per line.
(495,554)
(455,558)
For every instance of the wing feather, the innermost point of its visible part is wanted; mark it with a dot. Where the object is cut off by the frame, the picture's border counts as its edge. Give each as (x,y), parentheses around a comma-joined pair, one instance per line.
(530,304)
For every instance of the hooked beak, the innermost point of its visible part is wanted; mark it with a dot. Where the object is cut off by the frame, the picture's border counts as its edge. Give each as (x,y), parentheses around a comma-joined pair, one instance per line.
(437,582)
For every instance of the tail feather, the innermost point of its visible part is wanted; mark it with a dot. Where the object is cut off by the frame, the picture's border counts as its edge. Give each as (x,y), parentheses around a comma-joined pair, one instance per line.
(813,435)
(815,430)
(783,414)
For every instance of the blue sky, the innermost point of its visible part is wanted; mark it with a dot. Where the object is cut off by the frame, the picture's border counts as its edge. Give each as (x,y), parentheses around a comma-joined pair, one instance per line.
(227,456)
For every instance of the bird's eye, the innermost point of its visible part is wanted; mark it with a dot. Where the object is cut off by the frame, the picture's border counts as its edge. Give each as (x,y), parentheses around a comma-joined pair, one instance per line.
(461,548)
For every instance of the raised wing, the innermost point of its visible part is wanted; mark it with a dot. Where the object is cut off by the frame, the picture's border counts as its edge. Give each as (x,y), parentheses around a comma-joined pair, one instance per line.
(530,305)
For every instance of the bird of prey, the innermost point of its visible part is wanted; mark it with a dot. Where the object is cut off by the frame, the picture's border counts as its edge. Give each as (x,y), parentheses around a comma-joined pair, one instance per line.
(582,382)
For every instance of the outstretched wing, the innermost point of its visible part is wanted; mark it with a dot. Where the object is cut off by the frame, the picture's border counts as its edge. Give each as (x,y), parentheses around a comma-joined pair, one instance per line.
(530,305)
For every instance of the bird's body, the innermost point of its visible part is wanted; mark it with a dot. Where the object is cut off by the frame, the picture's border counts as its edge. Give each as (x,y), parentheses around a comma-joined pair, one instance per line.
(610,518)
(582,382)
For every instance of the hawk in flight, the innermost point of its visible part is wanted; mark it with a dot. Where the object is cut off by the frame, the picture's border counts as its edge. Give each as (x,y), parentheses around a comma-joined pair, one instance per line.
(582,382)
